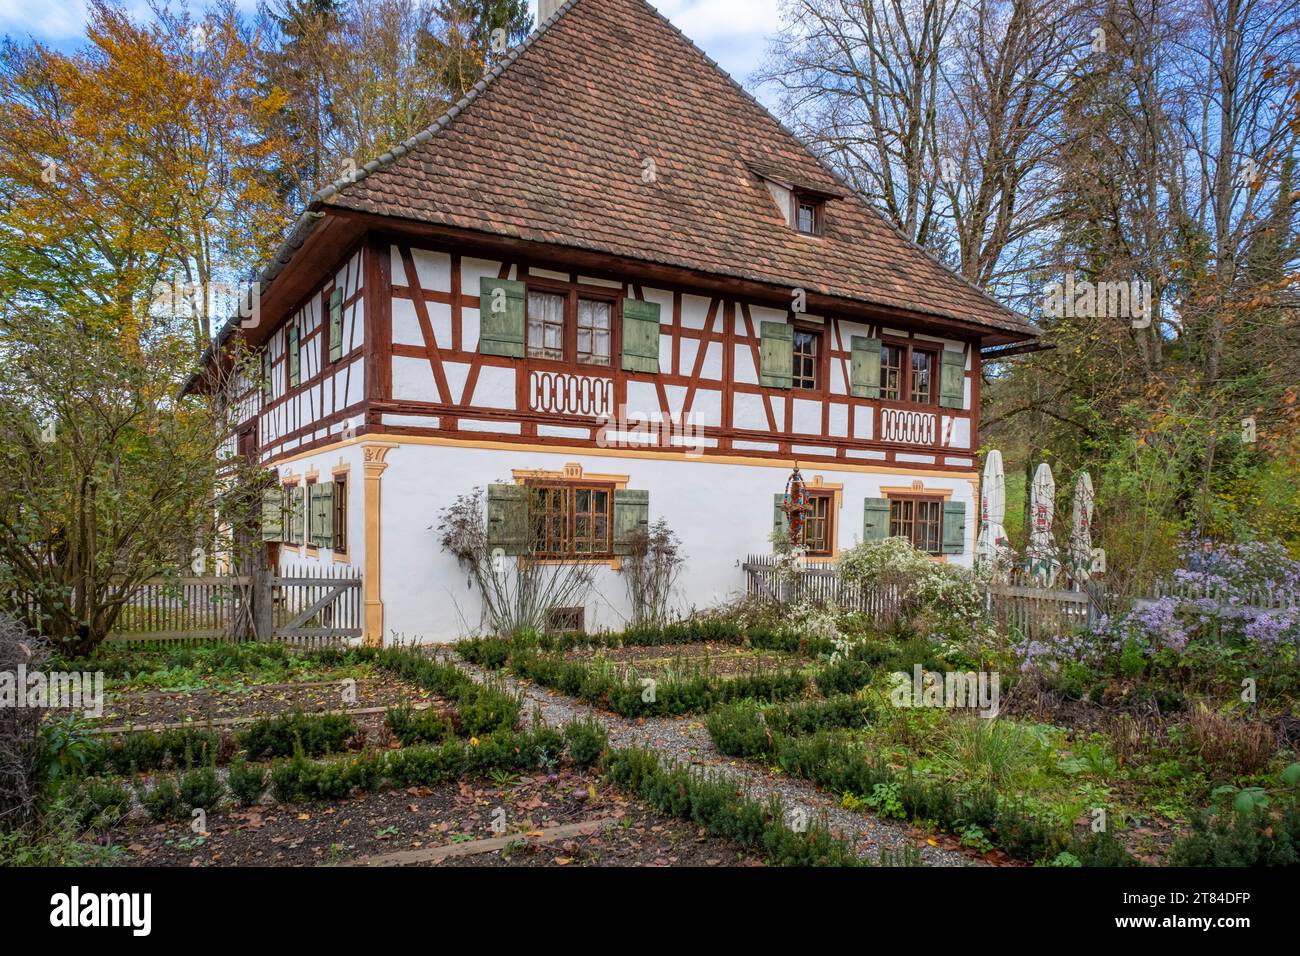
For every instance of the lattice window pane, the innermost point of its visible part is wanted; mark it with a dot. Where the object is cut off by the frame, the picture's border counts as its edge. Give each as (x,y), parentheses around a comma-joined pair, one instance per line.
(922,377)
(891,372)
(593,331)
(545,325)
(805,360)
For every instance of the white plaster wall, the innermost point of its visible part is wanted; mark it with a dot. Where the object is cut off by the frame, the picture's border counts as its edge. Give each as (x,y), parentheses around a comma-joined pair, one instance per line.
(406,324)
(760,314)
(413,380)
(746,372)
(325,462)
(695,310)
(721,512)
(472,270)
(663,297)
(495,388)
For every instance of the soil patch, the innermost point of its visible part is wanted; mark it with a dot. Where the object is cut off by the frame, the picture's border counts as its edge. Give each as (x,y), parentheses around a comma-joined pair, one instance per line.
(627,833)
(720,660)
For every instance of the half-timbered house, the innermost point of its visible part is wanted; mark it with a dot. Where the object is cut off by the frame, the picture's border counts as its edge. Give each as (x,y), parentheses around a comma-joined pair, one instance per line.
(611,286)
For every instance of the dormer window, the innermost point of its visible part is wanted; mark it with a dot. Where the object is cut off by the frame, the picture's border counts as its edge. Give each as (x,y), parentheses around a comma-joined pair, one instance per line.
(808,215)
(802,203)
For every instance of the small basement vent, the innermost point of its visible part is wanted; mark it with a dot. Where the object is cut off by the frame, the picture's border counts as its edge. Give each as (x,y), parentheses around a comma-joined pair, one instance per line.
(565,620)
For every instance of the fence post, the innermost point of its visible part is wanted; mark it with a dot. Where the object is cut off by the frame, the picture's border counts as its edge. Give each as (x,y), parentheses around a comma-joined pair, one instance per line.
(263,600)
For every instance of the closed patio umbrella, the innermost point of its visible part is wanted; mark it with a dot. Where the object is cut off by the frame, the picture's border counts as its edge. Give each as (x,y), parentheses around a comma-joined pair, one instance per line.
(1044,562)
(993,511)
(1081,531)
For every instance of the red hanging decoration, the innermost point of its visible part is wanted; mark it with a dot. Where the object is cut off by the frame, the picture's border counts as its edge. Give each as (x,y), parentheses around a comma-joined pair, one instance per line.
(796,505)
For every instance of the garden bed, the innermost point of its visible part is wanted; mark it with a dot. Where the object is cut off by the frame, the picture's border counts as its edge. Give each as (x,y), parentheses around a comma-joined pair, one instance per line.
(1129,774)
(365,688)
(450,781)
(706,657)
(412,824)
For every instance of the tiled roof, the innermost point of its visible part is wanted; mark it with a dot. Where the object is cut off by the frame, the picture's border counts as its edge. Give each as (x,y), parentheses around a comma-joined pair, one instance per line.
(551,147)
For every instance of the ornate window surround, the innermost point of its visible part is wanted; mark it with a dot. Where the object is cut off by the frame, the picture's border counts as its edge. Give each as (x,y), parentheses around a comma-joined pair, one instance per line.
(572,472)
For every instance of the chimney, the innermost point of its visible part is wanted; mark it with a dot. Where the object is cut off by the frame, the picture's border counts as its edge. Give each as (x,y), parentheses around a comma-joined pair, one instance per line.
(545,8)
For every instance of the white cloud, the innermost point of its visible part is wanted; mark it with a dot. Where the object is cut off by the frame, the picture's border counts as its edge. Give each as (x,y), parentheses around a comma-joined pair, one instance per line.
(48,20)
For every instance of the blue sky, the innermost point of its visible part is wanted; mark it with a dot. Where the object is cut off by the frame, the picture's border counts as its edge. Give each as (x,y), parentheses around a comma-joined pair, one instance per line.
(733,32)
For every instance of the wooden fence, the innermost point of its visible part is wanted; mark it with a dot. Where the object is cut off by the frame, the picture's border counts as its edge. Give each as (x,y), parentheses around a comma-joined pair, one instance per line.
(819,582)
(1038,613)
(171,610)
(311,607)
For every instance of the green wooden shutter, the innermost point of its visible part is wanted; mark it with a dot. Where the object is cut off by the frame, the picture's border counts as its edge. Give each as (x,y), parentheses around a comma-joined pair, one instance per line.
(294,356)
(297,513)
(501,317)
(313,502)
(271,503)
(336,324)
(640,336)
(952,380)
(780,520)
(268,382)
(875,519)
(777,352)
(322,514)
(865,369)
(507,520)
(290,496)
(631,515)
(954,527)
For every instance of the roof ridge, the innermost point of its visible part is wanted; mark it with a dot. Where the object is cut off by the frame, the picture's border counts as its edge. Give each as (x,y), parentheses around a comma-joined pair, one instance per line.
(829,170)
(392,155)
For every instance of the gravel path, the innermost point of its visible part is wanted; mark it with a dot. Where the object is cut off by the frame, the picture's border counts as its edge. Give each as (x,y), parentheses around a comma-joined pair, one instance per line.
(685,740)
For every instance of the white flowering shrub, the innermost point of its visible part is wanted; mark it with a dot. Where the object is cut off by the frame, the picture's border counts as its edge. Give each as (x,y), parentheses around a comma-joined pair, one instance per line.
(934,598)
(821,622)
(815,620)
(887,563)
(950,601)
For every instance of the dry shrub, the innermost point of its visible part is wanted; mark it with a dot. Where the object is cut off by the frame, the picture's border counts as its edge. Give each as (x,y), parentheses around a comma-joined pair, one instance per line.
(21,776)
(1229,744)
(1133,736)
(1032,697)
(1286,729)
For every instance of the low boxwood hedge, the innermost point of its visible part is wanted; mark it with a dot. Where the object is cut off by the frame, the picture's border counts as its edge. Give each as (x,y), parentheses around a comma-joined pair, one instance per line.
(146,751)
(724,810)
(671,697)
(800,739)
(279,736)
(494,653)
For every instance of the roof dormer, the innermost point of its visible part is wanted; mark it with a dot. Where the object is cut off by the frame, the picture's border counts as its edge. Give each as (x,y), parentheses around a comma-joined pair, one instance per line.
(802,205)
